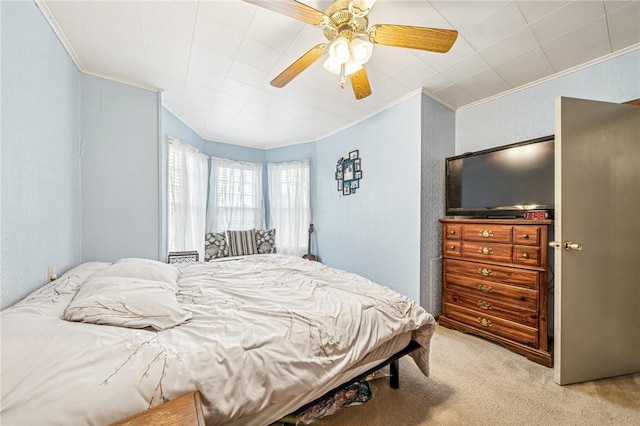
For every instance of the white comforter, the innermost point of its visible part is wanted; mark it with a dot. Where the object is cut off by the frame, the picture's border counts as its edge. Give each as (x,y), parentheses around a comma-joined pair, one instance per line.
(264,330)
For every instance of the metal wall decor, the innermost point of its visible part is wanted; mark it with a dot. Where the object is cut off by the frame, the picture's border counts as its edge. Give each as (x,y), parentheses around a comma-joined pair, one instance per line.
(349,173)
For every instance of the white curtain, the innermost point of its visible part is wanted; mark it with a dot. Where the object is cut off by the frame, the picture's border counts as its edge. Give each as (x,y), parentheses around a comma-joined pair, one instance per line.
(290,205)
(187,171)
(235,196)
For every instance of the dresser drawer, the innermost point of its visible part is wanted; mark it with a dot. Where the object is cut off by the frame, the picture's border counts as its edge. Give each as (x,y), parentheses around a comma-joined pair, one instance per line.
(492,307)
(452,232)
(494,325)
(487,251)
(526,235)
(487,232)
(526,255)
(504,274)
(452,248)
(504,293)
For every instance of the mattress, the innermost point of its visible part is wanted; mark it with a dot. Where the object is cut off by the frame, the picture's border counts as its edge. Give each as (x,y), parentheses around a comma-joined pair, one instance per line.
(258,337)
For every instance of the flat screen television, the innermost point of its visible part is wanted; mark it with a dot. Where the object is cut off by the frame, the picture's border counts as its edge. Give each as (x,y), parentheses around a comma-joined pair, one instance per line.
(504,181)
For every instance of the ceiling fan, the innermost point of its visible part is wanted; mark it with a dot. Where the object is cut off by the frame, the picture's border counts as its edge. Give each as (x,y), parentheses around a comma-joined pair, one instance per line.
(350,39)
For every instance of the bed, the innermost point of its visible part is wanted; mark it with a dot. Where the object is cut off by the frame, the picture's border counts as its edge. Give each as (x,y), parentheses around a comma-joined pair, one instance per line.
(257,336)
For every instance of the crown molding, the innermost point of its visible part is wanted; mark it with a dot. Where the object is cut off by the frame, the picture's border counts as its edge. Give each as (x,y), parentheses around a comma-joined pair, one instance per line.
(44,9)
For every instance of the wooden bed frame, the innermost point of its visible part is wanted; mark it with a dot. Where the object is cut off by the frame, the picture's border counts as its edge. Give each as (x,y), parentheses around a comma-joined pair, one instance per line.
(394,382)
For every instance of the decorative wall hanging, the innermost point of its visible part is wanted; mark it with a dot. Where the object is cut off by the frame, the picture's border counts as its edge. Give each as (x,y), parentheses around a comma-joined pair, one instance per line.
(349,173)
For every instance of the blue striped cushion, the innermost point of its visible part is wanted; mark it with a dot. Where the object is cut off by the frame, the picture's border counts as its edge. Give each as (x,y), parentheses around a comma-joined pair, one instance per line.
(242,242)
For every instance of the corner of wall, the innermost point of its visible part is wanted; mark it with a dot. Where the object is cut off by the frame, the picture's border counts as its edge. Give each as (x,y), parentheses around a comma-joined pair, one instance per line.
(437,143)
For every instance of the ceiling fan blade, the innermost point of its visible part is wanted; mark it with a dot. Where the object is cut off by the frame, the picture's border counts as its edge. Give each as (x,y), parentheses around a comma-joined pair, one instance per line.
(292,8)
(360,84)
(301,64)
(423,38)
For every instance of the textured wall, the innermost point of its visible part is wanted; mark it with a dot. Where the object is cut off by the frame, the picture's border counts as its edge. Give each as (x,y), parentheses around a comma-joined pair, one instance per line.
(40,153)
(120,171)
(438,141)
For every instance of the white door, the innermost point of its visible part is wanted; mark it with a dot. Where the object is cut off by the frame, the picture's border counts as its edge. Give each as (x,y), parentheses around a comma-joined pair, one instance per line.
(597,218)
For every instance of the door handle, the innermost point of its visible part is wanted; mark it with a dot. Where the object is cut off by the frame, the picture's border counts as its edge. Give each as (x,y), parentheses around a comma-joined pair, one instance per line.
(567,245)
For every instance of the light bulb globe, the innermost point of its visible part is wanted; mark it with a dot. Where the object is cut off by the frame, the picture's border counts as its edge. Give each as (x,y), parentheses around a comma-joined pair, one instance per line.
(332,66)
(361,50)
(339,50)
(352,66)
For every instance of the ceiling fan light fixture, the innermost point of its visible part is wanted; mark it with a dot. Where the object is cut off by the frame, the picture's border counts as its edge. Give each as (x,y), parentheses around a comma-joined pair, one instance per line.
(350,39)
(361,50)
(352,66)
(332,65)
(339,50)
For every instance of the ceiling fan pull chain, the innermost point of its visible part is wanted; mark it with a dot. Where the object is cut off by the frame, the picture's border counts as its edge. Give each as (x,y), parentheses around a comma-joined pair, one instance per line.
(342,79)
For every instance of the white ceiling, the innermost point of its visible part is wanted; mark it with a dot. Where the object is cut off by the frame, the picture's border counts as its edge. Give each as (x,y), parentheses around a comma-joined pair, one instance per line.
(213,60)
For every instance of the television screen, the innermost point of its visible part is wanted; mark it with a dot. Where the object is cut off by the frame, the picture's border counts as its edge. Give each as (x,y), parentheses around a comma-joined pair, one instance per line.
(502,181)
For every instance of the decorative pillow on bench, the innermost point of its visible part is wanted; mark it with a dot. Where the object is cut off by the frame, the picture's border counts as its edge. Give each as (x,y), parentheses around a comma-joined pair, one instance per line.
(242,242)
(239,243)
(215,246)
(266,240)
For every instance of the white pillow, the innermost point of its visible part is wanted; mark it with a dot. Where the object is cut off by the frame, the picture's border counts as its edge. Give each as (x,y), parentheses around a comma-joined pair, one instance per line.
(145,269)
(127,302)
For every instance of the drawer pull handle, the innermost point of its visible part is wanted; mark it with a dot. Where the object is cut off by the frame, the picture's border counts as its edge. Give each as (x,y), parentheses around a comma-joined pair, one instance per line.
(525,236)
(485,234)
(484,305)
(485,250)
(485,288)
(484,322)
(452,232)
(525,255)
(452,247)
(485,272)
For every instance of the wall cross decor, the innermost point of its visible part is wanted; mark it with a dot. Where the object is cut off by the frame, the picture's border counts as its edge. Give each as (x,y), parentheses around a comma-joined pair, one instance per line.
(349,173)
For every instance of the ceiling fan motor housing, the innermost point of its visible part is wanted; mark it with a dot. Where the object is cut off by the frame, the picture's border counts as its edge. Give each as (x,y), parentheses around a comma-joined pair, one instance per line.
(345,21)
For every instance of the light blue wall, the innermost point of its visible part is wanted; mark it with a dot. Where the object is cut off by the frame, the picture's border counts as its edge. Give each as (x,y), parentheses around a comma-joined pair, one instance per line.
(120,171)
(375,232)
(40,155)
(529,113)
(233,152)
(171,125)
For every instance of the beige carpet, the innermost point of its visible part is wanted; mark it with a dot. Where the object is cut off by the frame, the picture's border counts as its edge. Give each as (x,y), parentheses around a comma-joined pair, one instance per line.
(476,382)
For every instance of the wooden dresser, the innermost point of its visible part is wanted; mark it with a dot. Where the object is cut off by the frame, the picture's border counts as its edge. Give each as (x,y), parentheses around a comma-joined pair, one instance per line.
(494,282)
